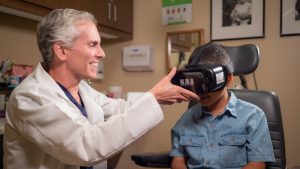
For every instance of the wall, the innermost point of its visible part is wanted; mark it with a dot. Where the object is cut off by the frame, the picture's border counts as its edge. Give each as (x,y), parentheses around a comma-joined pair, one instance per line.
(278,69)
(18,40)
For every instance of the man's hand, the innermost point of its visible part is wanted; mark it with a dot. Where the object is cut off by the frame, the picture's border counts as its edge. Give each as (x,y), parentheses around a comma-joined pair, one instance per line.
(167,93)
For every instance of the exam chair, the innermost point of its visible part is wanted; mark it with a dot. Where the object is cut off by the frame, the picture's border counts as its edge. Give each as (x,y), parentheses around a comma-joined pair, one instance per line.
(245,60)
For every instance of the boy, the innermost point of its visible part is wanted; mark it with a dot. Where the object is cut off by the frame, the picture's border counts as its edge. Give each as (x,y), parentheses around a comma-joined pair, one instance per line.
(221,131)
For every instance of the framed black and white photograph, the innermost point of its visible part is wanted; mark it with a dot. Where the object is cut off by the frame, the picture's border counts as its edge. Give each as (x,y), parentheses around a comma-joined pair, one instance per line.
(290,17)
(237,19)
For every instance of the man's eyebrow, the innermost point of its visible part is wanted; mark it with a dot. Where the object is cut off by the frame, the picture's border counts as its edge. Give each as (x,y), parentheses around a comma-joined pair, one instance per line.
(94,42)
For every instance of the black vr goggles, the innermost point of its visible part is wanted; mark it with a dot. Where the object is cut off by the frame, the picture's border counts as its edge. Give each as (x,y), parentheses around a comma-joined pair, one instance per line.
(202,78)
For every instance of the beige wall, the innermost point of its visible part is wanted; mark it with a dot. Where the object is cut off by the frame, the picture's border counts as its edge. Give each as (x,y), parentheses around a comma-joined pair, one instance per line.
(278,69)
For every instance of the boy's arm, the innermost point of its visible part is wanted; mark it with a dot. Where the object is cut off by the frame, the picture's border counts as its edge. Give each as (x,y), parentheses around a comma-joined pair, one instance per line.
(259,144)
(256,165)
(178,163)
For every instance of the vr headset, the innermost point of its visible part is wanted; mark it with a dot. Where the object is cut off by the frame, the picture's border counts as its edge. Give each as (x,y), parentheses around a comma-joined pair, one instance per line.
(202,78)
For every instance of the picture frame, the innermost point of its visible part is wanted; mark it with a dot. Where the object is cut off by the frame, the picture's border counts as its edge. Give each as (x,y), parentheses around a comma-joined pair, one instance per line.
(232,20)
(289,17)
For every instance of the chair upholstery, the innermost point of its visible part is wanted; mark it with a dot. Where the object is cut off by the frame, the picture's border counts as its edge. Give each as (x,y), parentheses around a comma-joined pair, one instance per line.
(245,60)
(153,159)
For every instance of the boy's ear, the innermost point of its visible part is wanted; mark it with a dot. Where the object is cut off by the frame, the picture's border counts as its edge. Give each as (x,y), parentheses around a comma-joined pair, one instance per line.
(230,79)
(59,51)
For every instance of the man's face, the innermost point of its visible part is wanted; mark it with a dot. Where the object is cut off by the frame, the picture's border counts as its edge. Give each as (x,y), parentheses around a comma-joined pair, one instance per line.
(83,58)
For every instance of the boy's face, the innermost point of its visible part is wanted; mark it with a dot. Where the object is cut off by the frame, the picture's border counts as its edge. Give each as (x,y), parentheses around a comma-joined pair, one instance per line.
(211,99)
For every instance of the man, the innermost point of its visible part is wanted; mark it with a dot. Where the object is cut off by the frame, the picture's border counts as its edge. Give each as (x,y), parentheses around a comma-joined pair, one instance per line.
(55,120)
(221,131)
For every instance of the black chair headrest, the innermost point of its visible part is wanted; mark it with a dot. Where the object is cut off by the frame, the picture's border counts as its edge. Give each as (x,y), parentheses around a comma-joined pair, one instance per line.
(245,58)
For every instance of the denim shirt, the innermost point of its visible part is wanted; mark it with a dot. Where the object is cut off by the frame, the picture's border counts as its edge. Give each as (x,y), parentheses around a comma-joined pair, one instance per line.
(230,140)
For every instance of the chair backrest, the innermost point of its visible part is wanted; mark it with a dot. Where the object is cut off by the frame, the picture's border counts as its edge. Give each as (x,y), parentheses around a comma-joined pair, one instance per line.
(245,58)
(268,101)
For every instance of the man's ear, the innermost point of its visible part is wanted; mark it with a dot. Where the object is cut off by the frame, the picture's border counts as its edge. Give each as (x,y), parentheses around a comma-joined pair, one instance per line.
(59,51)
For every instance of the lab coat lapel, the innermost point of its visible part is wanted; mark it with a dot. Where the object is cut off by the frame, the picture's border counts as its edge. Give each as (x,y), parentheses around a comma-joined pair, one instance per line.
(94,112)
(41,76)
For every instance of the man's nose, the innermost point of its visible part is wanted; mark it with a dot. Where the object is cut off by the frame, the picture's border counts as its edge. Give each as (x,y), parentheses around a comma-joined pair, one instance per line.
(100,52)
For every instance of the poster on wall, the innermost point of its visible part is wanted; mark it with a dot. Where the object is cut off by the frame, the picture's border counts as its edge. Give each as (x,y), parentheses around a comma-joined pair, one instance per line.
(176,11)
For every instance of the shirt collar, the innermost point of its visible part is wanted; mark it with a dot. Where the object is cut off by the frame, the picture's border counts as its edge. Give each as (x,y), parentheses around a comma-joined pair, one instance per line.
(230,107)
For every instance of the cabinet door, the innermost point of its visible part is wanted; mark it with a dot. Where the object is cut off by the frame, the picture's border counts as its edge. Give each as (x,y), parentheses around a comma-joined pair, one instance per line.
(27,6)
(99,8)
(30,1)
(55,4)
(123,15)
(65,4)
(44,3)
(117,14)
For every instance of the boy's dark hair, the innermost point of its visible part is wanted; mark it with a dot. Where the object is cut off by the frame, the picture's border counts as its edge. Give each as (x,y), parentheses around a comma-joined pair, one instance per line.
(211,53)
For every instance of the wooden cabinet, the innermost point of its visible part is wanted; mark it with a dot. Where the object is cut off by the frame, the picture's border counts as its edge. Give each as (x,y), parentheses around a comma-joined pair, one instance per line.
(97,7)
(54,4)
(20,5)
(115,17)
(30,1)
(116,14)
(123,15)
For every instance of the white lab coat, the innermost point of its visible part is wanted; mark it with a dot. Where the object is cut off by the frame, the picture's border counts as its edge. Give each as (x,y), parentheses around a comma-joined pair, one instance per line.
(45,130)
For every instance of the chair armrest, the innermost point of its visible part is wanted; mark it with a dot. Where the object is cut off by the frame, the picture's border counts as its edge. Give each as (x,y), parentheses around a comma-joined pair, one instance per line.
(154,160)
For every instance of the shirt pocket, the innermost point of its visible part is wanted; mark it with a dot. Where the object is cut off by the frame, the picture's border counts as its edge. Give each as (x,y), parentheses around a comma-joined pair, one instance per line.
(193,147)
(191,141)
(233,150)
